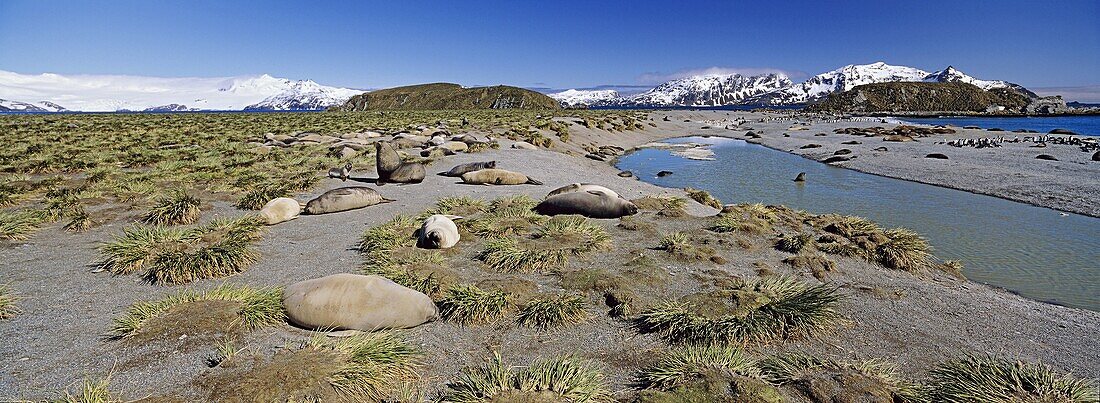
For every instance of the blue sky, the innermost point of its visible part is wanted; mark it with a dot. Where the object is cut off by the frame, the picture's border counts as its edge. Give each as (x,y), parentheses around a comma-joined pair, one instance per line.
(555,44)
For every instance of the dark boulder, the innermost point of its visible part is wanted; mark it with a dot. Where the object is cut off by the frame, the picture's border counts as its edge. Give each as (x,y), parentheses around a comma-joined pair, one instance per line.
(937,156)
(663,174)
(1047,157)
(811,145)
(851,142)
(1062,131)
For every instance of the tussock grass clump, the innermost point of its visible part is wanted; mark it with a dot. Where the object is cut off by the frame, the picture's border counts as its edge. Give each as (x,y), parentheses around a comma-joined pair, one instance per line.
(409,267)
(545,313)
(795,243)
(681,246)
(259,307)
(178,208)
(257,197)
(703,197)
(467,304)
(19,226)
(666,206)
(91,391)
(548,248)
(372,367)
(557,379)
(8,309)
(692,363)
(395,233)
(905,250)
(505,216)
(973,379)
(81,221)
(818,265)
(745,218)
(871,377)
(176,256)
(773,308)
(458,205)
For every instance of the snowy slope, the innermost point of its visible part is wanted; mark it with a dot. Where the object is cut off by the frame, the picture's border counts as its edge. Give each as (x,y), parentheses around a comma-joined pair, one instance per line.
(573,97)
(41,106)
(839,80)
(707,90)
(107,93)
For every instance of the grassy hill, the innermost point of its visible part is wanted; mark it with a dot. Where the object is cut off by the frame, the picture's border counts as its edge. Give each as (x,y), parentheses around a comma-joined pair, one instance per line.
(440,96)
(921,97)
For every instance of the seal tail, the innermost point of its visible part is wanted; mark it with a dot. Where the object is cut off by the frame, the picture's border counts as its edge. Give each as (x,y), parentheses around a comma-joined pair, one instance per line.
(385,200)
(532,181)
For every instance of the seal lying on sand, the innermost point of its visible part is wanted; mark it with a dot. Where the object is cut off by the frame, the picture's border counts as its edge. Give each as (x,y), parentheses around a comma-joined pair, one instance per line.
(438,232)
(582,187)
(589,204)
(345,198)
(280,209)
(497,177)
(458,170)
(356,302)
(391,169)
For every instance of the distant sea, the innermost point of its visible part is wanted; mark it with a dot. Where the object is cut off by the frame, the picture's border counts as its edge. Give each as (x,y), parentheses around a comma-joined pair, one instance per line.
(1085,125)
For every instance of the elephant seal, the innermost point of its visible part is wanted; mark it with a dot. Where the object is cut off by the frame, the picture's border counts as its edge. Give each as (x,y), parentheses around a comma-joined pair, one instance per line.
(495,176)
(391,169)
(582,187)
(345,198)
(458,170)
(280,209)
(356,302)
(438,232)
(589,204)
(801,177)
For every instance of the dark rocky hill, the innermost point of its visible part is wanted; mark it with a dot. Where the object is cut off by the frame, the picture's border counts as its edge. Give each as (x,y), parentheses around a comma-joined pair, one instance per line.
(449,96)
(924,97)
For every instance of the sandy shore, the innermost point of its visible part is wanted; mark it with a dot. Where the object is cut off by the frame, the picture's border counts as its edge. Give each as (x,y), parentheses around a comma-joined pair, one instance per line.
(915,321)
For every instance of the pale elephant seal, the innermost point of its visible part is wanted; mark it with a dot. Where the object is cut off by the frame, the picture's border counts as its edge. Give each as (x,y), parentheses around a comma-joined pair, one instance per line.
(280,209)
(345,198)
(495,176)
(582,187)
(523,145)
(588,204)
(458,170)
(391,169)
(438,232)
(356,302)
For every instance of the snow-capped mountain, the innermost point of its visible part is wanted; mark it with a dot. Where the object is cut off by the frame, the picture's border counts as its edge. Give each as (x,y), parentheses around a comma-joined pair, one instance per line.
(108,93)
(304,95)
(41,106)
(952,75)
(574,98)
(707,90)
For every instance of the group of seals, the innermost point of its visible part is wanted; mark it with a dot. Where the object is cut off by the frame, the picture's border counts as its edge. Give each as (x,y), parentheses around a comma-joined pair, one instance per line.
(391,169)
(582,187)
(345,198)
(356,302)
(438,232)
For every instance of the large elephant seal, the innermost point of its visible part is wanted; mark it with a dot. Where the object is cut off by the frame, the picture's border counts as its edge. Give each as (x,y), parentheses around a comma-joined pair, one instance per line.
(345,198)
(458,170)
(280,209)
(356,302)
(582,187)
(391,169)
(495,176)
(438,232)
(588,204)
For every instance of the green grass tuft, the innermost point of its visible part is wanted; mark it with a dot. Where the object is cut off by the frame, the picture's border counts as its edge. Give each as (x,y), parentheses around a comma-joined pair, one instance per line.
(178,208)
(19,226)
(400,266)
(373,367)
(466,304)
(795,243)
(703,197)
(687,364)
(905,250)
(257,197)
(91,391)
(549,247)
(260,307)
(388,236)
(668,206)
(973,379)
(558,379)
(545,313)
(773,308)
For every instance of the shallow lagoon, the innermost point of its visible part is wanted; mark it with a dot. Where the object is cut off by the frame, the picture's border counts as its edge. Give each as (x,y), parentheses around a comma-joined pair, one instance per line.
(1037,252)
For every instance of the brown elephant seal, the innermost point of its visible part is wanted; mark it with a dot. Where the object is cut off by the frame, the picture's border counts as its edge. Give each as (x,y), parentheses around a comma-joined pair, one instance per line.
(438,232)
(458,170)
(356,302)
(582,187)
(495,176)
(280,209)
(391,169)
(588,204)
(345,198)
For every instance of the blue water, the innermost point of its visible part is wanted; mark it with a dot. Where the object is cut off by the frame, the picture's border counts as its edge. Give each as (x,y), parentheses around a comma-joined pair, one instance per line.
(1034,251)
(1086,125)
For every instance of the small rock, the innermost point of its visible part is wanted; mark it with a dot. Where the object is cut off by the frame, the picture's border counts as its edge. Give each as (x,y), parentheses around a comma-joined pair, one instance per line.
(936,156)
(851,142)
(1096,157)
(626,174)
(820,135)
(663,174)
(842,151)
(1047,157)
(811,145)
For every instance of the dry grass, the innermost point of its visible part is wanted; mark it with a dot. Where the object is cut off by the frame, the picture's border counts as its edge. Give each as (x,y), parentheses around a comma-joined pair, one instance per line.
(466,304)
(549,312)
(418,269)
(259,307)
(877,376)
(564,379)
(18,226)
(176,256)
(395,233)
(8,299)
(795,243)
(905,250)
(666,206)
(548,248)
(688,364)
(91,391)
(373,366)
(973,379)
(745,218)
(773,308)
(257,197)
(703,197)
(178,208)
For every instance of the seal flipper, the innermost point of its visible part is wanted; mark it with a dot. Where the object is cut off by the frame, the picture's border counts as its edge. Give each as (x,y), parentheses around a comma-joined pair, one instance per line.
(532,181)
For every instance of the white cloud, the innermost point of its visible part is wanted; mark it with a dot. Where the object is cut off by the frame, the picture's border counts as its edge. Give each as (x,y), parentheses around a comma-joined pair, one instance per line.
(1084,93)
(658,77)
